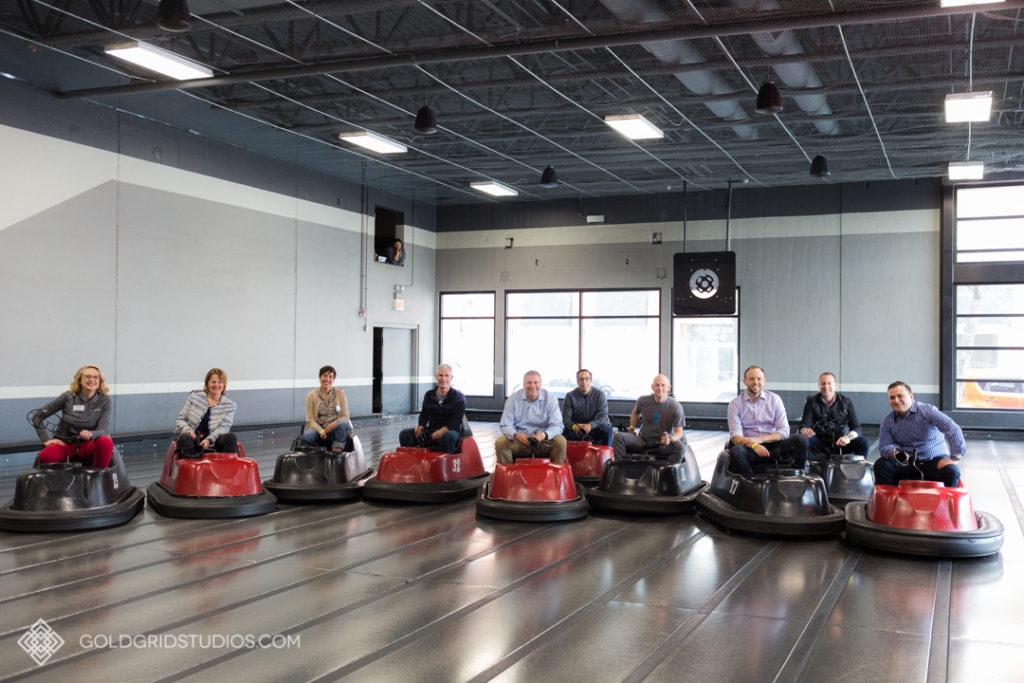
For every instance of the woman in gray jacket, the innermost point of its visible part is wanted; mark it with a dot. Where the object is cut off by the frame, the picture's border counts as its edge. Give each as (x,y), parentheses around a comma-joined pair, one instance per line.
(83,432)
(205,422)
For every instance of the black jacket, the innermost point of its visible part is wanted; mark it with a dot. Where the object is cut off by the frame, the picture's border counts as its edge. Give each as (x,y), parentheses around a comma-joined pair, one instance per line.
(827,420)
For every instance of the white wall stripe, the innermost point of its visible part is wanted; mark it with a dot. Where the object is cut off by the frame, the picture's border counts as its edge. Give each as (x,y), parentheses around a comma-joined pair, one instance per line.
(922,220)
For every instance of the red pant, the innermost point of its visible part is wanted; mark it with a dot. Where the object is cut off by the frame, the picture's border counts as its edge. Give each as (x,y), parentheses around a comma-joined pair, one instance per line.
(94,453)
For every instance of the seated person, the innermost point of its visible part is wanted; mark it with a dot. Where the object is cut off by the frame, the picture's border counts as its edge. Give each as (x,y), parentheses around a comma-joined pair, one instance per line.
(205,421)
(440,417)
(327,420)
(585,412)
(661,420)
(759,428)
(83,432)
(530,424)
(395,254)
(914,428)
(830,421)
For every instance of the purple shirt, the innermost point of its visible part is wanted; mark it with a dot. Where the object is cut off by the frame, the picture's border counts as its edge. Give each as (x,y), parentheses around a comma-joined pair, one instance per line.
(752,419)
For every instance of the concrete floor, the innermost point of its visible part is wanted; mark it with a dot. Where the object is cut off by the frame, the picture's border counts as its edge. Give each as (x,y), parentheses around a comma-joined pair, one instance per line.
(431,593)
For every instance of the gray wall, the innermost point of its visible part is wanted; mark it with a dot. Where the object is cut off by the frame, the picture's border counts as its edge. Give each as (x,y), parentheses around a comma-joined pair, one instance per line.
(847,283)
(158,270)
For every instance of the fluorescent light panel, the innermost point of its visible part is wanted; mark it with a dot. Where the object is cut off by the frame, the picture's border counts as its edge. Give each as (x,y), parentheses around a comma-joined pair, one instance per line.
(159,60)
(968,106)
(374,142)
(961,3)
(494,189)
(966,170)
(634,126)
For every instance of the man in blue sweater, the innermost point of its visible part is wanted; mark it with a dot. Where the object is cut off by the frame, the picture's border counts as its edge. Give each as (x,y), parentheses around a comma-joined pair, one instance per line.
(585,412)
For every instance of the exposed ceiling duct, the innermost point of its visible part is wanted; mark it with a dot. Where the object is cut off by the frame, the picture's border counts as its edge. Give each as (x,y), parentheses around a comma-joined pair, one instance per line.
(802,76)
(681,52)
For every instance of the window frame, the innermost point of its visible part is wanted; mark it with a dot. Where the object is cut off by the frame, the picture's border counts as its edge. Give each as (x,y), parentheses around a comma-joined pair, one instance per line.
(494,326)
(739,334)
(579,318)
(954,275)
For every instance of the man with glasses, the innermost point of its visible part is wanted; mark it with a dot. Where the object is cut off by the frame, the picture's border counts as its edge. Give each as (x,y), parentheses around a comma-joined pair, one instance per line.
(585,412)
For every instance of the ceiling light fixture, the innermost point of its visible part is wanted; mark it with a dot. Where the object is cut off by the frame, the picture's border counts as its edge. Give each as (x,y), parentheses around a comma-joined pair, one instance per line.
(819,167)
(159,60)
(961,3)
(494,189)
(373,142)
(549,179)
(634,126)
(968,106)
(425,123)
(769,101)
(173,15)
(966,170)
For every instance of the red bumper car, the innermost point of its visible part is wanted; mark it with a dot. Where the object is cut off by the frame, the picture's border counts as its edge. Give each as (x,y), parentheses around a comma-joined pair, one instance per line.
(532,490)
(587,460)
(923,518)
(420,475)
(216,485)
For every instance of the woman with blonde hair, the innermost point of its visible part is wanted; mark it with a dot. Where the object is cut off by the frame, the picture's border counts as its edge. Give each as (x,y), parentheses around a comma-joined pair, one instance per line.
(205,422)
(84,429)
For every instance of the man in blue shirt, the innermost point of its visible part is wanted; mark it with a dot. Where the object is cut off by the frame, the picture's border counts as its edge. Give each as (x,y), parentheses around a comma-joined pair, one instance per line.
(531,424)
(917,428)
(759,428)
(585,412)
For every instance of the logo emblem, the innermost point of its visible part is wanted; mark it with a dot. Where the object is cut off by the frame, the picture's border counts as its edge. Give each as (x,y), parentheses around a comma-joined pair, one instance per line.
(704,283)
(40,642)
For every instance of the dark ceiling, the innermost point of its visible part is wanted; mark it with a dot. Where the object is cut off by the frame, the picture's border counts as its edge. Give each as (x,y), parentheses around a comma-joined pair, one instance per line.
(517,85)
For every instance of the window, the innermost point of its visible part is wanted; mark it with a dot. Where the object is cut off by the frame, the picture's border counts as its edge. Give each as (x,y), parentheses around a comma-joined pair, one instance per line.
(705,357)
(467,341)
(988,297)
(614,334)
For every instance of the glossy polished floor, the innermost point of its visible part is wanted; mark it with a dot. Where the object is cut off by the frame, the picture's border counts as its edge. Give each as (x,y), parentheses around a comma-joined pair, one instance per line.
(431,593)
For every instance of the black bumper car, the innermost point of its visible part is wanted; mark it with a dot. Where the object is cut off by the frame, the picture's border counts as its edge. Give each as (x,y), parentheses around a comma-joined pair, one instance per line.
(644,485)
(307,474)
(923,518)
(70,497)
(847,478)
(421,475)
(214,486)
(532,490)
(778,502)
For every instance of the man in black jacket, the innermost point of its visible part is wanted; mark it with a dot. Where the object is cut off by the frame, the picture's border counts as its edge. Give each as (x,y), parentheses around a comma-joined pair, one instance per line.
(440,417)
(830,421)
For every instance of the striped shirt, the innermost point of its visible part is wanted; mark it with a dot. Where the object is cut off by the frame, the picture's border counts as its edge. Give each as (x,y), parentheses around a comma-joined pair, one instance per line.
(924,430)
(766,415)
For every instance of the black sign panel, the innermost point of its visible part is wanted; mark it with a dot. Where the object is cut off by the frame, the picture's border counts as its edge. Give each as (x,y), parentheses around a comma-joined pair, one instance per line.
(704,283)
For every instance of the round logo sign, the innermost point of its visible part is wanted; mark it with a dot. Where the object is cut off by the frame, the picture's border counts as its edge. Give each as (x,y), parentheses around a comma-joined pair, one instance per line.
(704,283)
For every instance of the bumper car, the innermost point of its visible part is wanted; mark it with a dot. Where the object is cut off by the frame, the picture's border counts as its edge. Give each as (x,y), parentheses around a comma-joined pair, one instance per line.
(779,502)
(213,486)
(587,460)
(70,497)
(642,484)
(848,477)
(532,490)
(923,518)
(421,475)
(308,474)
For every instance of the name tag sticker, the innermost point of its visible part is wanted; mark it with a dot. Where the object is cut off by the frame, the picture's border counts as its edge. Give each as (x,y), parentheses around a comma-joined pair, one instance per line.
(337,409)
(78,409)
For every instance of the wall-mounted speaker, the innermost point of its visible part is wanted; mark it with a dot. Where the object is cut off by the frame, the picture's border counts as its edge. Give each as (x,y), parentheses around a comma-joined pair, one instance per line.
(704,283)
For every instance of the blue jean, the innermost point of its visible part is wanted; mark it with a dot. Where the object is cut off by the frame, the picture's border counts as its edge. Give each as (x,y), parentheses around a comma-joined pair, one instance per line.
(858,446)
(743,459)
(601,434)
(890,473)
(449,441)
(338,435)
